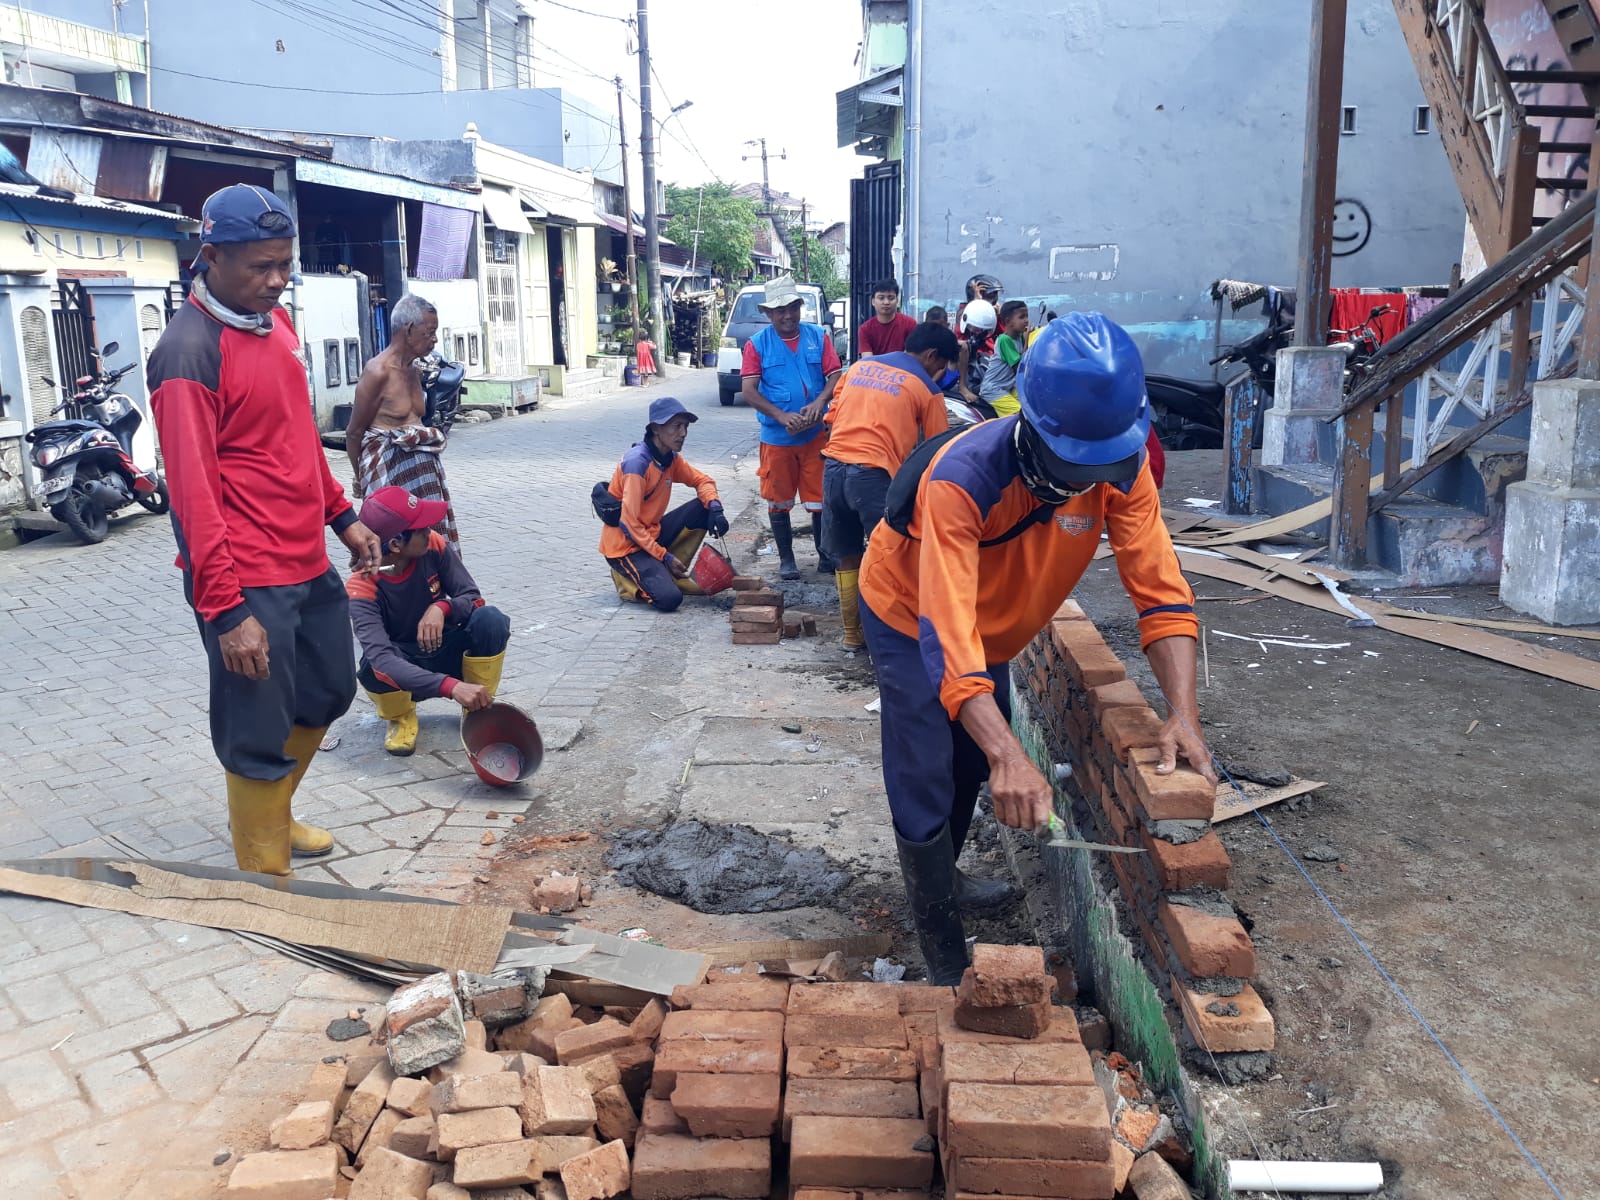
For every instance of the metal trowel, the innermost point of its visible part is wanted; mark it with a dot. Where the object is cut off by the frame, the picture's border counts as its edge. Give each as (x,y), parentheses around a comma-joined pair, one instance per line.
(1053,834)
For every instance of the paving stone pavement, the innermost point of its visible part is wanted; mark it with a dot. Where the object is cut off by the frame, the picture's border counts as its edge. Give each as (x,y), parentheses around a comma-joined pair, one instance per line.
(134,1050)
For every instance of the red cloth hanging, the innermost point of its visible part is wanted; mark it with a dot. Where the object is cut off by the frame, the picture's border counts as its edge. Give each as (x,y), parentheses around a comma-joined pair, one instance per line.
(1351,307)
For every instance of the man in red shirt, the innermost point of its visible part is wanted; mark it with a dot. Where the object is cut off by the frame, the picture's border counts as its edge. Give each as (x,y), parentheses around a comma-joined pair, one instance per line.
(886,331)
(251,495)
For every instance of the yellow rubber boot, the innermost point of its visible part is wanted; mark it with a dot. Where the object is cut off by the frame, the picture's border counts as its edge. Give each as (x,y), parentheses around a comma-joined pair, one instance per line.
(400,710)
(258,818)
(302,745)
(484,671)
(626,588)
(850,608)
(684,550)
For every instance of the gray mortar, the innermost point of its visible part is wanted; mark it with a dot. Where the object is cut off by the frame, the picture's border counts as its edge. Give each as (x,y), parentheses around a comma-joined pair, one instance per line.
(1234,1069)
(1215,985)
(725,868)
(1205,899)
(1180,833)
(1218,1008)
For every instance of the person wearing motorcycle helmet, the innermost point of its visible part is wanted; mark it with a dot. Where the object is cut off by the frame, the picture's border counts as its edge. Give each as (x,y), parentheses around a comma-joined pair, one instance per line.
(1006,520)
(984,287)
(976,324)
(252,496)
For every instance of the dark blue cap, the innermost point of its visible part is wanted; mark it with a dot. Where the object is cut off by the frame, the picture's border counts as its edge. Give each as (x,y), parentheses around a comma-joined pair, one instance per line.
(664,408)
(244,213)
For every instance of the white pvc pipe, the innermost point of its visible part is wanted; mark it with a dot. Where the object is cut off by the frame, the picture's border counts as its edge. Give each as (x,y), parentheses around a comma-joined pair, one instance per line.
(1328,1178)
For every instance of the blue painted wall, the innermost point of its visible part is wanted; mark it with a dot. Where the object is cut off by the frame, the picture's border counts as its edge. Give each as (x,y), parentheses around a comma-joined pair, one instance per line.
(1120,156)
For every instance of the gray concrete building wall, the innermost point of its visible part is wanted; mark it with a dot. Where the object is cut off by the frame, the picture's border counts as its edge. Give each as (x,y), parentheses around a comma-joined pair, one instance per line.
(1118,156)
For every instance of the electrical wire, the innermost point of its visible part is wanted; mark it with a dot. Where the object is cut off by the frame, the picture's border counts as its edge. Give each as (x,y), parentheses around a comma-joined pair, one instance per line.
(628,21)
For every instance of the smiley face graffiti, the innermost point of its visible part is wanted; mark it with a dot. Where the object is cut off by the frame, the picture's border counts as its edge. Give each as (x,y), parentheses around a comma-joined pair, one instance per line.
(1352,227)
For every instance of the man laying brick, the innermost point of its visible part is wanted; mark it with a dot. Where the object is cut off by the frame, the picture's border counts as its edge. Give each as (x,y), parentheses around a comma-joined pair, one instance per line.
(423,627)
(969,567)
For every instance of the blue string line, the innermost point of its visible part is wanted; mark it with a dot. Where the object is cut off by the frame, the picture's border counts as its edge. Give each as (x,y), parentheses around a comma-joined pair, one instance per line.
(1362,946)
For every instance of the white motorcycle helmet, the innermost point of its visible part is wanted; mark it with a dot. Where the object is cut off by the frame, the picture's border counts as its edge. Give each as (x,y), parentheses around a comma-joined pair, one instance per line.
(979,315)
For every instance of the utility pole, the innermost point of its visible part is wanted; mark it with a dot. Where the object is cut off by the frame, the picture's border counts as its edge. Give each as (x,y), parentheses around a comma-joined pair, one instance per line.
(627,222)
(805,244)
(647,151)
(766,183)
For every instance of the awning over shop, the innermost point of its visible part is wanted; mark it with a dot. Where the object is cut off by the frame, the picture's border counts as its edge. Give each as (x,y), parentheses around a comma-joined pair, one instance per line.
(504,210)
(866,109)
(358,180)
(561,210)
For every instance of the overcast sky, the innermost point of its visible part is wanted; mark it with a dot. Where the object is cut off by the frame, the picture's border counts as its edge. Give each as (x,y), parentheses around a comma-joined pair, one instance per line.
(754,68)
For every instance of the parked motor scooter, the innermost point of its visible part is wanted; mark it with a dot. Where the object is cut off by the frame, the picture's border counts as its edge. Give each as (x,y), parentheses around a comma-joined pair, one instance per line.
(1189,414)
(99,458)
(442,389)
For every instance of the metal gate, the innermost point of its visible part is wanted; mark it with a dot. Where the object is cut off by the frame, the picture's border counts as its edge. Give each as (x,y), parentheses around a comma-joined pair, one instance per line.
(874,221)
(73,315)
(505,332)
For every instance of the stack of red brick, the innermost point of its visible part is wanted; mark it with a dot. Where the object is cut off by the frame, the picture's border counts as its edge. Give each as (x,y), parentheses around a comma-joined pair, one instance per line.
(1099,719)
(758,616)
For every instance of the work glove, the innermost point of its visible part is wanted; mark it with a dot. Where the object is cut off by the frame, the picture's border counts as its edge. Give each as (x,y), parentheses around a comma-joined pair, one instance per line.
(717,522)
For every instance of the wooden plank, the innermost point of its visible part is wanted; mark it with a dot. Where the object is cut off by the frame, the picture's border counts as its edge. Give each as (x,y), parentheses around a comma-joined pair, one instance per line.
(1243,396)
(1231,804)
(1259,531)
(1319,182)
(1394,432)
(1445,451)
(1352,485)
(1553,664)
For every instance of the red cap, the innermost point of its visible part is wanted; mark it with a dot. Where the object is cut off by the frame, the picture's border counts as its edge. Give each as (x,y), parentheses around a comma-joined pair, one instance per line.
(392,511)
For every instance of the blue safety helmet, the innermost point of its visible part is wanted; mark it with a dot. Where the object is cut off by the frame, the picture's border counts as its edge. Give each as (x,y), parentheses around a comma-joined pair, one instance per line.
(1082,390)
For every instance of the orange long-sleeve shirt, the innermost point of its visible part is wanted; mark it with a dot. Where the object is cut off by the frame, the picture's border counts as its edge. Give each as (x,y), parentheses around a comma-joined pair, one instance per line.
(643,482)
(882,408)
(987,565)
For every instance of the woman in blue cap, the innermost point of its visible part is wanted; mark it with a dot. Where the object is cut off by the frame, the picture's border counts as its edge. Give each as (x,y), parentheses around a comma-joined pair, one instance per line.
(649,548)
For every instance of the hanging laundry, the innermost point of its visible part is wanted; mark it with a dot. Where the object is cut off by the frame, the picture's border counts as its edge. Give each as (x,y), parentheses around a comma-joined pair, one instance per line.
(1418,306)
(1351,308)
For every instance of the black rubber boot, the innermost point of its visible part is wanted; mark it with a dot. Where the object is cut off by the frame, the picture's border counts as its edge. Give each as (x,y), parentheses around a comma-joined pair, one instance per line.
(824,561)
(783,538)
(973,893)
(929,870)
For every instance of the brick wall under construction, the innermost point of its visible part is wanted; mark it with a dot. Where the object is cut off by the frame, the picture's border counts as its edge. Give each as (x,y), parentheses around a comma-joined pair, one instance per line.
(1094,717)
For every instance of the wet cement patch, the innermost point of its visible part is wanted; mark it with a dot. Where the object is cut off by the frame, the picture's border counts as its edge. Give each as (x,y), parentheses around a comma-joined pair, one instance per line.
(725,868)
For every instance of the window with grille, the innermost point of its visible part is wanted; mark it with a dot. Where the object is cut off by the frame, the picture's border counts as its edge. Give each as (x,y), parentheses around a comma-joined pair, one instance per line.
(352,359)
(332,352)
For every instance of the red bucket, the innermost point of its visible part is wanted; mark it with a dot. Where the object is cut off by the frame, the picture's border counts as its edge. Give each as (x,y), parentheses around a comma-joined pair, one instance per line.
(503,743)
(711,571)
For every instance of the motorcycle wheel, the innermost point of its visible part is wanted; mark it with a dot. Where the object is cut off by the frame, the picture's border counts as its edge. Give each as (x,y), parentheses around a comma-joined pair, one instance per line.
(87,520)
(157,501)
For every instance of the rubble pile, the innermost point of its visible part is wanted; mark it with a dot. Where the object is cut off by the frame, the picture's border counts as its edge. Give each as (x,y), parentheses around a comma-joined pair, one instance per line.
(1097,717)
(482,1088)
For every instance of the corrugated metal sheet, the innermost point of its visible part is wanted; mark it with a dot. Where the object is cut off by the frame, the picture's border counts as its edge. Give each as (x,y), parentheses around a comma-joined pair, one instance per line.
(131,170)
(26,191)
(69,161)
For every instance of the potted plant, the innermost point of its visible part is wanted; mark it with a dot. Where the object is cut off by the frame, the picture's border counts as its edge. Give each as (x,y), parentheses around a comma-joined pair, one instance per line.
(609,275)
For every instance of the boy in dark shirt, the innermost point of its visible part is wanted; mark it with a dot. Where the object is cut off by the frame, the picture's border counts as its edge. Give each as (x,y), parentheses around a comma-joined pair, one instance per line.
(424,629)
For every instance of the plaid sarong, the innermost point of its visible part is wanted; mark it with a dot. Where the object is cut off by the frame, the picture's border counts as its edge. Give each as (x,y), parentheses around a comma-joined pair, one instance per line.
(409,457)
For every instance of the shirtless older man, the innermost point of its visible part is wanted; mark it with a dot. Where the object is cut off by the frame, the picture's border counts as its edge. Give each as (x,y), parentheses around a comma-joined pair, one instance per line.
(388,442)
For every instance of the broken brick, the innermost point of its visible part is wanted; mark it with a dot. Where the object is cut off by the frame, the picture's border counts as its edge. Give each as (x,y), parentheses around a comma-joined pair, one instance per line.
(727,1105)
(851,1152)
(501,998)
(557,1100)
(601,1072)
(424,1025)
(1135,1125)
(671,1167)
(391,1176)
(1014,1120)
(597,1175)
(848,1098)
(285,1175)
(1153,1179)
(1206,944)
(558,893)
(1001,991)
(306,1126)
